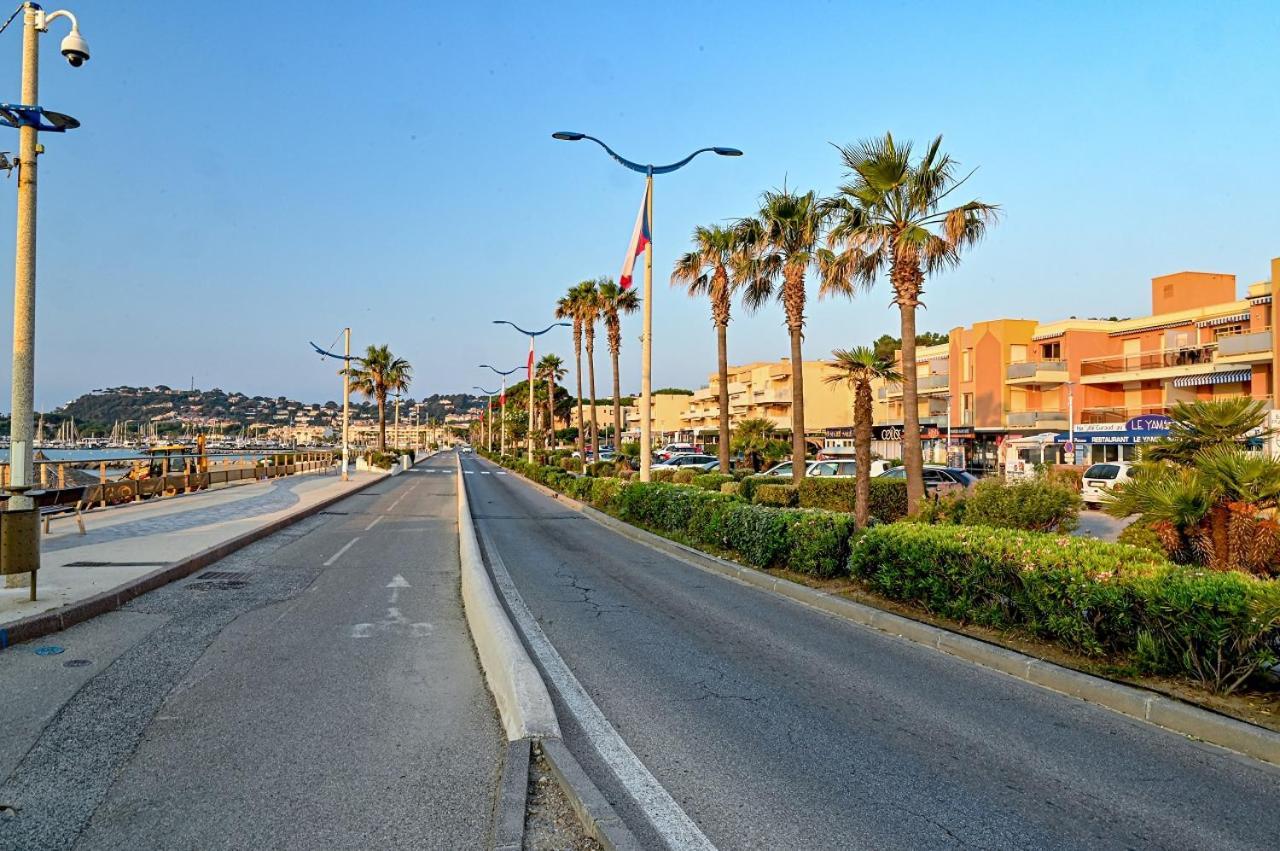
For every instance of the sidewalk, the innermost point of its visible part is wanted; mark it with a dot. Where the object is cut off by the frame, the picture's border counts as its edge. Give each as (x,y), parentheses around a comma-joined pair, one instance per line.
(125,543)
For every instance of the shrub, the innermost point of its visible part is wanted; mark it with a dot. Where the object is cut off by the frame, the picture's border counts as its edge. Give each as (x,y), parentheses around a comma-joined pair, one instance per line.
(1040,505)
(1092,596)
(569,465)
(730,488)
(661,475)
(627,475)
(712,481)
(888,501)
(683,476)
(601,468)
(1140,534)
(604,491)
(820,542)
(748,484)
(780,496)
(757,533)
(579,488)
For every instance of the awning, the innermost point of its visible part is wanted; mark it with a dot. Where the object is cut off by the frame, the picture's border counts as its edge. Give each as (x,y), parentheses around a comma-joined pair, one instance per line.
(1213,378)
(1223,320)
(1159,326)
(1260,299)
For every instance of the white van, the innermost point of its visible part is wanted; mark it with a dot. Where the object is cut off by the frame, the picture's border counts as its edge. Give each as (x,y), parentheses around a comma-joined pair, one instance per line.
(841,463)
(1101,478)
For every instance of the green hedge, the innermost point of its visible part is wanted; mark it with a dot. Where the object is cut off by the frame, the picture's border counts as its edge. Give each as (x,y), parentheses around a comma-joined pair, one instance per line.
(779,495)
(1039,505)
(683,476)
(712,481)
(1095,597)
(662,475)
(888,502)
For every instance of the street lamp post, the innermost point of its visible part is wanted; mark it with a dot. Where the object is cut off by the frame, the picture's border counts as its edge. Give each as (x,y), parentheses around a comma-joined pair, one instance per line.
(646,337)
(531,335)
(346,359)
(502,448)
(488,409)
(30,119)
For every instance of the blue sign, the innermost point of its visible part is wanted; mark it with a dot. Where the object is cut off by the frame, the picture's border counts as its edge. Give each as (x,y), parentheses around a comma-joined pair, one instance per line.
(1151,422)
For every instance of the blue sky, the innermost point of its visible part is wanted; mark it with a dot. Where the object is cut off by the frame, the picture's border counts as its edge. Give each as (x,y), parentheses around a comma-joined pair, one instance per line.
(248,178)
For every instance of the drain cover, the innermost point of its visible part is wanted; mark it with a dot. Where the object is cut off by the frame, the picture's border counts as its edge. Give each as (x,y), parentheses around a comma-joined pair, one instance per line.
(221,574)
(76,663)
(49,650)
(217,585)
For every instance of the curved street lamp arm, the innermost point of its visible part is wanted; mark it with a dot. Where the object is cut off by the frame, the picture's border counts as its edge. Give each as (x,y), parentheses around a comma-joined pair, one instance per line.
(500,372)
(666,169)
(482,390)
(531,333)
(328,354)
(643,169)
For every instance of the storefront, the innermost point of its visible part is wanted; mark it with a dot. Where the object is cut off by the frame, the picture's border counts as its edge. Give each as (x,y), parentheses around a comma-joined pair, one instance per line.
(1098,442)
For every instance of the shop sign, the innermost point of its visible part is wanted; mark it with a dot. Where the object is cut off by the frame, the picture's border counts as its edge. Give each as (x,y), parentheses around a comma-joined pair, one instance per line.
(895,432)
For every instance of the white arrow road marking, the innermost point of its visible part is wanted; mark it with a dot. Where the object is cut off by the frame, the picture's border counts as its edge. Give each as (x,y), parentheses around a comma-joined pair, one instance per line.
(395,585)
(666,816)
(348,545)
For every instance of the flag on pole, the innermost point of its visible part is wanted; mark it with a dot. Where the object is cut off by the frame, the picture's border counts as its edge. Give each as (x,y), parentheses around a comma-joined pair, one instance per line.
(502,399)
(531,366)
(640,237)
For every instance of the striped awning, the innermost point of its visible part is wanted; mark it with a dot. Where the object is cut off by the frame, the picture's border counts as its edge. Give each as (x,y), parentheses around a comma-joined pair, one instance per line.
(1037,337)
(1213,378)
(1260,299)
(1156,327)
(1223,320)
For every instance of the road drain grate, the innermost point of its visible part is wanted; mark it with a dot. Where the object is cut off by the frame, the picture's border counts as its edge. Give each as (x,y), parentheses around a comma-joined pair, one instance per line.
(221,574)
(116,563)
(218,585)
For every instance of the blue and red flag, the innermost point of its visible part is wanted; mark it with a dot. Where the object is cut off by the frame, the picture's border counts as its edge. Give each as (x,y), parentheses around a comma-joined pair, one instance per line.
(640,238)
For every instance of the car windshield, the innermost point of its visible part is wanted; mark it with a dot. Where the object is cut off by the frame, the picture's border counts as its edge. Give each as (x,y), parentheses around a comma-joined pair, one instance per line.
(1102,471)
(894,473)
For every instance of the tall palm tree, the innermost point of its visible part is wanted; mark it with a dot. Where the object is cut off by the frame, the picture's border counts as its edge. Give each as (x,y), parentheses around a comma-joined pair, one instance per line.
(708,270)
(781,242)
(379,373)
(551,368)
(569,306)
(858,367)
(893,212)
(615,301)
(589,307)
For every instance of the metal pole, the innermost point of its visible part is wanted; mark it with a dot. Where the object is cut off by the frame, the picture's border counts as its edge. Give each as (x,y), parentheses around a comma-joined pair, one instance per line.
(530,388)
(503,419)
(646,343)
(489,430)
(948,429)
(1071,419)
(396,429)
(346,404)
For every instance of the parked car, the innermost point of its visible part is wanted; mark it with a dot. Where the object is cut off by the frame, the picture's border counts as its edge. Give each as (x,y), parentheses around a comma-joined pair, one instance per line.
(1101,478)
(671,450)
(845,468)
(466,449)
(783,470)
(690,460)
(937,480)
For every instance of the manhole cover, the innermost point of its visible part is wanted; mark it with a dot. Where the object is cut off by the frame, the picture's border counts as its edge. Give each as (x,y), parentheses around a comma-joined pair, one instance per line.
(218,585)
(76,663)
(49,650)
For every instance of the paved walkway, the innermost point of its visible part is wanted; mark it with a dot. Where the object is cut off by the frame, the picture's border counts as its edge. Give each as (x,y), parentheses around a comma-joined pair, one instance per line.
(125,542)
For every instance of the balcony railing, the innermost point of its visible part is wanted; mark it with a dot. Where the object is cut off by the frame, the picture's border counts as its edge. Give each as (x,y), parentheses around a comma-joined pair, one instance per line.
(1124,413)
(1244,344)
(1037,419)
(1114,364)
(924,384)
(1031,369)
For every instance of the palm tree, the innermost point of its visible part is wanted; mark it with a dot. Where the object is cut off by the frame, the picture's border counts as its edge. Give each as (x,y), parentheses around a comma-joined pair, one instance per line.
(892,213)
(569,306)
(707,271)
(589,307)
(781,242)
(858,367)
(754,438)
(380,373)
(615,301)
(551,368)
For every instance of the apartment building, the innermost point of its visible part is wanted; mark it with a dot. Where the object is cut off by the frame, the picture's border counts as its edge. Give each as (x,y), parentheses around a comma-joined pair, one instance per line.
(664,419)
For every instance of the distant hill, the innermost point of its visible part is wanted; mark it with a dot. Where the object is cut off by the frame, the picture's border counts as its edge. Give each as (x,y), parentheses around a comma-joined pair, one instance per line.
(174,410)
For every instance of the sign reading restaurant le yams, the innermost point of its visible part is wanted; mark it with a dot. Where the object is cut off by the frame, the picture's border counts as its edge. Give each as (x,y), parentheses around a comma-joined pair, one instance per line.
(1143,429)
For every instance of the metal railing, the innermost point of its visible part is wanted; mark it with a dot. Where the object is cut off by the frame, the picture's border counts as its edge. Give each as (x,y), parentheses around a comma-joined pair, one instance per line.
(1243,344)
(1188,356)
(1027,419)
(1124,413)
(1030,369)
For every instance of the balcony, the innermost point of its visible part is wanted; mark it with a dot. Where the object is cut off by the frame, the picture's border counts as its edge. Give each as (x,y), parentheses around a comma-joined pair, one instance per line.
(925,384)
(1037,419)
(1037,372)
(1162,363)
(1124,413)
(774,397)
(1242,348)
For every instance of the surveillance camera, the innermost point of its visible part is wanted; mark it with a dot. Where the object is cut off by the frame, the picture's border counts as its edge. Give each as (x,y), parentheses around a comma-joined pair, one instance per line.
(76,49)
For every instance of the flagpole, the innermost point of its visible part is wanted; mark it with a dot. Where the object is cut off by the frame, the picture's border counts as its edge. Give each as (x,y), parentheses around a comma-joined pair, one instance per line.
(502,424)
(530,436)
(646,342)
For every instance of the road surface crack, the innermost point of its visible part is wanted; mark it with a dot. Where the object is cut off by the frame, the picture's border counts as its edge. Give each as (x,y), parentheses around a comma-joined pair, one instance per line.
(586,591)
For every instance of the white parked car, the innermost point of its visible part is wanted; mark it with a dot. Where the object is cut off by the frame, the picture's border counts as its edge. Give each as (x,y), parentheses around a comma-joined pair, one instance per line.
(1101,478)
(844,468)
(783,470)
(689,460)
(671,450)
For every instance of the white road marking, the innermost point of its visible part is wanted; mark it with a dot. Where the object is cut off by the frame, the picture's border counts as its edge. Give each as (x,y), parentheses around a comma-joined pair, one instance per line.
(361,630)
(375,522)
(668,819)
(469,472)
(394,504)
(395,585)
(484,472)
(348,545)
(501,473)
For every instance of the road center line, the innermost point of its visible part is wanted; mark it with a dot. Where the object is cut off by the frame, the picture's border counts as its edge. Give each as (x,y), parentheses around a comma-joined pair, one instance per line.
(348,545)
(394,504)
(375,522)
(670,821)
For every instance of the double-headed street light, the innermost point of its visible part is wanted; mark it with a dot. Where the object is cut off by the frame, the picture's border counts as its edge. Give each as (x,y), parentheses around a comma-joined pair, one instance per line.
(30,118)
(488,409)
(646,339)
(502,401)
(531,335)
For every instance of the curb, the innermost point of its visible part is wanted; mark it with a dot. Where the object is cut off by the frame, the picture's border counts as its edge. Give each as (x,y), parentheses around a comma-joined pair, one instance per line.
(513,797)
(524,704)
(593,809)
(56,620)
(1141,704)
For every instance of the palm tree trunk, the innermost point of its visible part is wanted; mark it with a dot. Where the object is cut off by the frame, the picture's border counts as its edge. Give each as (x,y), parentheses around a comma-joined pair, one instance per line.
(591,373)
(722,366)
(382,423)
(617,404)
(797,408)
(906,278)
(862,453)
(551,408)
(582,435)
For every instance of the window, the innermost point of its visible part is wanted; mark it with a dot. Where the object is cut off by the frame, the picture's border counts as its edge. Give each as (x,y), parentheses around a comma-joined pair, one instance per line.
(894,473)
(1051,351)
(1102,471)
(848,468)
(966,362)
(1228,330)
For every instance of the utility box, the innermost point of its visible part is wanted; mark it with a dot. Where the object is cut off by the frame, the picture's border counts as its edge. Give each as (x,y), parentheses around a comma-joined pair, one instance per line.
(20,541)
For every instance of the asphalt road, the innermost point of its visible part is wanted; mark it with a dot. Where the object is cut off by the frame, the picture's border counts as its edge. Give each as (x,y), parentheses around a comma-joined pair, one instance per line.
(776,726)
(333,700)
